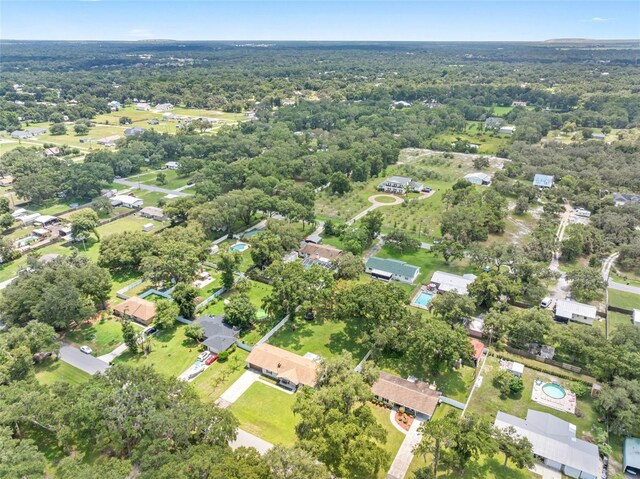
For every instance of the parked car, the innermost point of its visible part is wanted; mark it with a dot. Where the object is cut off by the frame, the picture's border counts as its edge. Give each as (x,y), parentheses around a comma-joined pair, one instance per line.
(150,331)
(545,303)
(203,355)
(426,189)
(86,349)
(211,359)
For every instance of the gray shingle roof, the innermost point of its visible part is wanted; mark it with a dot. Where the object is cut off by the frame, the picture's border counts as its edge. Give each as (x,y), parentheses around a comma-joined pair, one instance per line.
(220,336)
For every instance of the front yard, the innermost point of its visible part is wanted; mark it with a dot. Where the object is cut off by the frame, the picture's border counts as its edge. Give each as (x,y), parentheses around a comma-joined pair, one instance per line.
(624,300)
(266,412)
(220,375)
(56,371)
(102,335)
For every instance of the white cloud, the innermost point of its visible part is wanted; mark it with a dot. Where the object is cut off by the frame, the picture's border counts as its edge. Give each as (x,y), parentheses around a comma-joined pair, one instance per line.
(600,19)
(139,33)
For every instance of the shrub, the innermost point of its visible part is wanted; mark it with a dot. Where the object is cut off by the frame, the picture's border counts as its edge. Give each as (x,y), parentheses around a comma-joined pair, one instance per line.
(579,388)
(223,356)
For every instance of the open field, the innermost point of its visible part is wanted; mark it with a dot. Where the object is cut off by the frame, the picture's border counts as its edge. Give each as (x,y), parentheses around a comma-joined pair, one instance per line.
(266,412)
(488,142)
(55,371)
(327,339)
(622,299)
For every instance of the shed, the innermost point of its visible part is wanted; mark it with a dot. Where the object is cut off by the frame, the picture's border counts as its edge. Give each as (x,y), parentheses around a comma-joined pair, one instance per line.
(147,227)
(313,238)
(567,310)
(482,179)
(631,456)
(543,181)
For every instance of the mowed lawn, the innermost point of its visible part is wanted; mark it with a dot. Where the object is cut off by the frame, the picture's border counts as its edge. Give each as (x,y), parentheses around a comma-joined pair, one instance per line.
(220,375)
(394,437)
(103,335)
(266,412)
(56,371)
(172,352)
(327,339)
(624,300)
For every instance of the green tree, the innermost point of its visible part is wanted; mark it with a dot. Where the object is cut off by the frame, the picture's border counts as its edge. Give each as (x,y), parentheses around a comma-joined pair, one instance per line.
(195,332)
(129,335)
(438,346)
(166,313)
(20,458)
(514,447)
(83,223)
(294,463)
(81,129)
(586,284)
(228,262)
(124,120)
(340,183)
(489,288)
(185,296)
(124,251)
(372,221)
(239,312)
(161,178)
(507,383)
(347,266)
(452,307)
(620,402)
(450,250)
(58,129)
(437,434)
(6,221)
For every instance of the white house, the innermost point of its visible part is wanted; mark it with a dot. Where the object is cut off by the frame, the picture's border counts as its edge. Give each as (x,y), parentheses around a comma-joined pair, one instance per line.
(391,269)
(172,165)
(126,201)
(164,106)
(509,130)
(452,282)
(395,184)
(635,317)
(567,310)
(143,107)
(554,441)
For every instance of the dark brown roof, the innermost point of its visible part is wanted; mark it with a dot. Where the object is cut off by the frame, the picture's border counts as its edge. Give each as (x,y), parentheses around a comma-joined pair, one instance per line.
(417,396)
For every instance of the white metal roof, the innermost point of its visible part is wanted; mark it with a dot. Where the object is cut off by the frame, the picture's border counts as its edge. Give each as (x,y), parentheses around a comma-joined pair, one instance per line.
(451,282)
(566,309)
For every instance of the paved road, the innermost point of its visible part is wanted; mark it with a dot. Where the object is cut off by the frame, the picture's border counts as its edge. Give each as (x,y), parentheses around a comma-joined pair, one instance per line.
(624,287)
(135,184)
(402,461)
(246,439)
(6,283)
(607,264)
(76,358)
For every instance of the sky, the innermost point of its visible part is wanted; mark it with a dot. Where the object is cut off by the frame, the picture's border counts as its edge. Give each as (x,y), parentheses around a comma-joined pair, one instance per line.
(361,20)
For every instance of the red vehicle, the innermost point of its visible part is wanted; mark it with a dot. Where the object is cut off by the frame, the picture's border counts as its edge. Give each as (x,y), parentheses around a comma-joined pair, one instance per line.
(211,359)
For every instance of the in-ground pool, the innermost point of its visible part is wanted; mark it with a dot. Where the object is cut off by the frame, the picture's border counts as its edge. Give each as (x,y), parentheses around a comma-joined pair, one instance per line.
(26,241)
(554,391)
(253,232)
(423,299)
(239,247)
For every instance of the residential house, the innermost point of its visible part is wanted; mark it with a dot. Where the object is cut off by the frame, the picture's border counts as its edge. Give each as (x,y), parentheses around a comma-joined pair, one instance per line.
(567,310)
(219,336)
(152,212)
(164,106)
(415,396)
(289,369)
(6,180)
(635,317)
(114,105)
(395,184)
(478,350)
(621,199)
(53,151)
(554,442)
(598,136)
(582,212)
(543,181)
(28,219)
(126,201)
(136,130)
(108,140)
(444,282)
(508,129)
(631,456)
(44,220)
(519,103)
(26,134)
(482,179)
(318,252)
(391,269)
(172,165)
(143,107)
(493,123)
(136,308)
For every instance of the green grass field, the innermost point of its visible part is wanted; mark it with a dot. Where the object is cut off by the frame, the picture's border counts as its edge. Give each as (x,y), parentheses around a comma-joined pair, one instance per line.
(327,339)
(55,371)
(622,299)
(102,336)
(394,437)
(266,412)
(219,376)
(629,278)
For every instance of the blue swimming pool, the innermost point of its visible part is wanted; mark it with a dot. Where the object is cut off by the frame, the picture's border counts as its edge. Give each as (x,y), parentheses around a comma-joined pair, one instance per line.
(554,391)
(423,299)
(239,247)
(26,241)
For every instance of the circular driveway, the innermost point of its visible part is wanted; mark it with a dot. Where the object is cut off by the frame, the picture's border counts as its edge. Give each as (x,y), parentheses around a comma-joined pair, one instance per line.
(374,200)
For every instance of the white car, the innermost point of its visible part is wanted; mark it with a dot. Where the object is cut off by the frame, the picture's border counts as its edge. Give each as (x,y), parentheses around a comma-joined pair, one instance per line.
(545,303)
(203,355)
(86,349)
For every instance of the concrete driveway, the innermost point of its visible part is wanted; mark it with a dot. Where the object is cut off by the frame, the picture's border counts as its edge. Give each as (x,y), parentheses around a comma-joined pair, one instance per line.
(238,388)
(135,184)
(246,439)
(76,358)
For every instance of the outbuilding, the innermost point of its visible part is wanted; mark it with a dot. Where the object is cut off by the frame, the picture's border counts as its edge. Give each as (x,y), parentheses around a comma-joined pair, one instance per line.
(543,181)
(482,179)
(631,456)
(567,310)
(126,201)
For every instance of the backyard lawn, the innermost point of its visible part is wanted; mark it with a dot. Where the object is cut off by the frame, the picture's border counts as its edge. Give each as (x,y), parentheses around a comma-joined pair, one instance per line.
(266,412)
(327,339)
(486,401)
(624,300)
(172,352)
(55,371)
(102,335)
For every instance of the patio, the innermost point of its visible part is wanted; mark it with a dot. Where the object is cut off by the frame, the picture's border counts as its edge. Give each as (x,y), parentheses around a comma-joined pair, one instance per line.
(543,393)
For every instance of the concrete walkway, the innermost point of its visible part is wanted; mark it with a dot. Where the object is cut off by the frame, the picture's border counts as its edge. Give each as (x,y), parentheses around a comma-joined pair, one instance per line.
(107,358)
(142,186)
(237,389)
(85,362)
(6,283)
(402,461)
(246,439)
